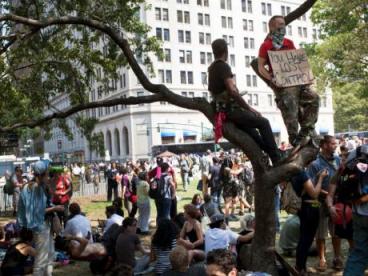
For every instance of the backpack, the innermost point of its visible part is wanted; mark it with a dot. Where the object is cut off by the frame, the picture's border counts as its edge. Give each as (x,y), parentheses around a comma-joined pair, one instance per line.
(9,187)
(157,188)
(290,201)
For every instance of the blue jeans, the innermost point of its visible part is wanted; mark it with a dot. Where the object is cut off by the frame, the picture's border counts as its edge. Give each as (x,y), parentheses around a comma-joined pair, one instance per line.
(216,197)
(358,257)
(163,209)
(144,215)
(185,179)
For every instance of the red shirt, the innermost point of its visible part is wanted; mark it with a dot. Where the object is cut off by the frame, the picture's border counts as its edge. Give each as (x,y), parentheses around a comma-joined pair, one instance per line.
(266,46)
(62,185)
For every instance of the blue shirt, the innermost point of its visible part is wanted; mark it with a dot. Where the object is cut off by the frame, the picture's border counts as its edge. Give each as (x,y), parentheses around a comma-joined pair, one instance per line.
(320,164)
(32,207)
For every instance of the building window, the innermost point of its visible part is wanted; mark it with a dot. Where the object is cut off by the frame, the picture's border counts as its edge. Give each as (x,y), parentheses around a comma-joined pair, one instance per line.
(207,21)
(202,57)
(246,42)
(270,99)
(251,40)
(161,76)
(188,37)
(264,25)
(300,33)
(190,77)
(166,35)
(269,9)
(290,30)
(122,81)
(263,5)
(314,35)
(222,4)
(168,76)
(189,56)
(165,14)
(248,25)
(191,94)
(159,33)
(254,81)
(184,94)
(181,56)
(209,58)
(283,11)
(208,39)
(158,13)
(181,36)
(187,17)
(205,95)
(230,22)
(167,53)
(247,61)
(223,22)
(201,38)
(249,80)
(232,60)
(231,41)
(305,32)
(200,18)
(204,77)
(246,6)
(179,16)
(183,77)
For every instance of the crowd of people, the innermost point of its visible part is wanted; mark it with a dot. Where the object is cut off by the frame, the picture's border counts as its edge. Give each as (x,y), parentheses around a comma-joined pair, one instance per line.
(332,193)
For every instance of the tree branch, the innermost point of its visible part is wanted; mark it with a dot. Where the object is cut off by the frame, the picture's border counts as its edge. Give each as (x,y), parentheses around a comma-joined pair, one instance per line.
(302,9)
(74,109)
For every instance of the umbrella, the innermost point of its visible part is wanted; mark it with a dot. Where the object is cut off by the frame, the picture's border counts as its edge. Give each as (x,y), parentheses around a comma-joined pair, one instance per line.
(166,154)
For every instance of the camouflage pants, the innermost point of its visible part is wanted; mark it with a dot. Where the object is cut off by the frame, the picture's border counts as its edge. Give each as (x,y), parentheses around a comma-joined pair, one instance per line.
(298,105)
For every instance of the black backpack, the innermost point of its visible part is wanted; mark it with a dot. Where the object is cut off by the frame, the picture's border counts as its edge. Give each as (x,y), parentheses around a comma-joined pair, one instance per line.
(157,188)
(347,188)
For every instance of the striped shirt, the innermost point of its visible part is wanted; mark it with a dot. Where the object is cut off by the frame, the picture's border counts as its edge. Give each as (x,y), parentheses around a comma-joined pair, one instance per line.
(162,258)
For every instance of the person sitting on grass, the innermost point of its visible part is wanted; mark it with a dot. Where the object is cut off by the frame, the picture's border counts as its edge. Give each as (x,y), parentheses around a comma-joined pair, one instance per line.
(79,225)
(16,258)
(221,262)
(191,235)
(179,259)
(112,218)
(128,242)
(163,242)
(219,237)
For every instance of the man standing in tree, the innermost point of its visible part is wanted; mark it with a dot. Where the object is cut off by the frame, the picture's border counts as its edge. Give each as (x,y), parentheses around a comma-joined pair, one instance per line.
(228,100)
(298,104)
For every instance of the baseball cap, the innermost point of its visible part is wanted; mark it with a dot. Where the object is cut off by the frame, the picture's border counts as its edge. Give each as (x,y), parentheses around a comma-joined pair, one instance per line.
(40,167)
(216,218)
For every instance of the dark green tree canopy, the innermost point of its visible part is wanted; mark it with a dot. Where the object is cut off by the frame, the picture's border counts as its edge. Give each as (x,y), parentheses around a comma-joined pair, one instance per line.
(341,60)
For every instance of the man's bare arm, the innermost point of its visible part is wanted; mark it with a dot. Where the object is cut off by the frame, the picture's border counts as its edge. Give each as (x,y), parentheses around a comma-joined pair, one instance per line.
(262,69)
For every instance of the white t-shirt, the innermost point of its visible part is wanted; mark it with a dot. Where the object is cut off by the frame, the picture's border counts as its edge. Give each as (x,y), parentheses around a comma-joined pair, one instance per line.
(78,226)
(217,238)
(113,219)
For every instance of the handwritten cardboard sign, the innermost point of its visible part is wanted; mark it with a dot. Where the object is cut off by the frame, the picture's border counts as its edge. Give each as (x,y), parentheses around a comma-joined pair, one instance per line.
(290,67)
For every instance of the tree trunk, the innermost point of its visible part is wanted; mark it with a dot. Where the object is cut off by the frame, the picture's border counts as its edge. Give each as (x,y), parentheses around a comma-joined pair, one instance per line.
(263,258)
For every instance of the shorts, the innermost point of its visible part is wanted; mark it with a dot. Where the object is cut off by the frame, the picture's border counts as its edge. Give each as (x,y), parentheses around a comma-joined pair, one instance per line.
(323,226)
(343,231)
